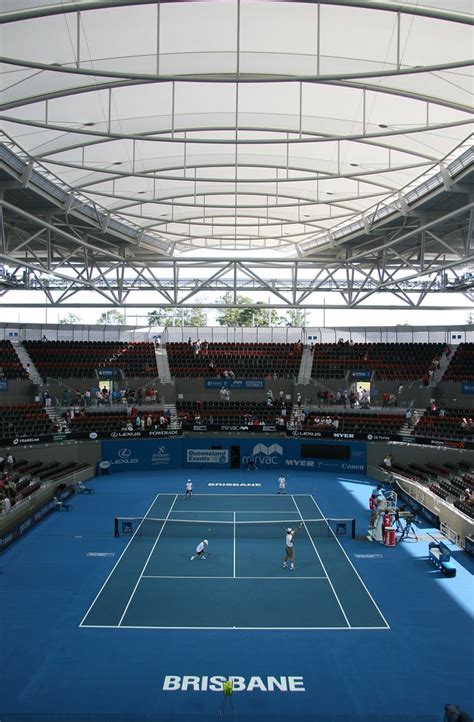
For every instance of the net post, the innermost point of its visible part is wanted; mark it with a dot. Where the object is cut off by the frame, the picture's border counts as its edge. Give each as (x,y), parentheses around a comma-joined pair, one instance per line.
(116,527)
(353,530)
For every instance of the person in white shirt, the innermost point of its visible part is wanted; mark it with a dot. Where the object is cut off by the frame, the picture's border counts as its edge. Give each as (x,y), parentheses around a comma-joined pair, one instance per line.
(289,549)
(282,485)
(200,550)
(189,489)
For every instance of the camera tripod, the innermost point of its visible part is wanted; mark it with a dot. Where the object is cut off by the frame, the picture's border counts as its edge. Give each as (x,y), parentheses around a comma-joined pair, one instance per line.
(408,531)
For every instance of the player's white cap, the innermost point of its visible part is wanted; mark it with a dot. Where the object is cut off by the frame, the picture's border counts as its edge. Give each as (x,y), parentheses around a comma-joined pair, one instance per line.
(289,529)
(189,479)
(204,541)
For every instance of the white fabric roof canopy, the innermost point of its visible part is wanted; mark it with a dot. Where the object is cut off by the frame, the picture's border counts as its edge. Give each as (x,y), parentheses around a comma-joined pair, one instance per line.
(233,126)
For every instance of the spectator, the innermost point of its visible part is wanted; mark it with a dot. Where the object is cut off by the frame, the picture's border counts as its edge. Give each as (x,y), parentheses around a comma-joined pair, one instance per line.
(387,462)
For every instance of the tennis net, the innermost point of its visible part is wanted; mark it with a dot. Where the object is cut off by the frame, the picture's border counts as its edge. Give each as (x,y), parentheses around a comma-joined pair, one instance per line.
(203,528)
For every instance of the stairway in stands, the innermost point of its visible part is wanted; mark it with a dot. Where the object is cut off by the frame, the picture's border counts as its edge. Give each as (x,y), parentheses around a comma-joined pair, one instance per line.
(55,415)
(306,365)
(26,359)
(443,365)
(407,428)
(162,365)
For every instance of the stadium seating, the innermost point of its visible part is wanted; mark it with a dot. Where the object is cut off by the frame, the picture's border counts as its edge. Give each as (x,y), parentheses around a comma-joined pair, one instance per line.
(10,365)
(28,476)
(226,412)
(111,421)
(78,359)
(353,422)
(455,424)
(461,367)
(387,361)
(25,420)
(244,360)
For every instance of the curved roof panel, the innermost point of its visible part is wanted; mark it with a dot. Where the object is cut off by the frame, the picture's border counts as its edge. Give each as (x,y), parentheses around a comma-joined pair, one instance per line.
(235,125)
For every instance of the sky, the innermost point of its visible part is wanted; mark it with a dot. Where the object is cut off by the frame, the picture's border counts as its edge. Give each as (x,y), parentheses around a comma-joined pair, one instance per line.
(314,318)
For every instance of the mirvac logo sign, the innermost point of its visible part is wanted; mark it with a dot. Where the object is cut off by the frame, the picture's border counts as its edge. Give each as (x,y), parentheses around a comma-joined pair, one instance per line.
(193,683)
(207,456)
(264,455)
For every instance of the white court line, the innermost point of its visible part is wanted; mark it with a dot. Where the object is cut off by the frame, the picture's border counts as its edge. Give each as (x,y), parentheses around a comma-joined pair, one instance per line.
(236,629)
(322,564)
(238,511)
(116,564)
(284,577)
(274,496)
(148,559)
(353,567)
(234,560)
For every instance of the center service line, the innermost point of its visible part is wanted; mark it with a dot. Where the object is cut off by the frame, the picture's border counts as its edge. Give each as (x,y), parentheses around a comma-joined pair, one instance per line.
(234,547)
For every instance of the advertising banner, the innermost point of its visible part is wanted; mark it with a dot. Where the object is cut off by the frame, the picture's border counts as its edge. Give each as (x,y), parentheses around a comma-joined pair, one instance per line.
(207,456)
(133,455)
(234,384)
(105,374)
(361,374)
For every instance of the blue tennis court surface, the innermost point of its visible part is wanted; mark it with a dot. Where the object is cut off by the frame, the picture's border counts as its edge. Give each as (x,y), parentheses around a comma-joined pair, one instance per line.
(98,628)
(241,583)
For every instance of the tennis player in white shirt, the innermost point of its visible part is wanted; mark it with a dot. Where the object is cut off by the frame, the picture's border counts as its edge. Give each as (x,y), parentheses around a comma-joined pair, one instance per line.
(282,485)
(289,549)
(200,550)
(189,489)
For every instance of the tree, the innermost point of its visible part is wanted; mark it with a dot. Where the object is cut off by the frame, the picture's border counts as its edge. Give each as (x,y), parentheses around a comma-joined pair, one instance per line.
(295,318)
(258,314)
(111,317)
(70,318)
(177,317)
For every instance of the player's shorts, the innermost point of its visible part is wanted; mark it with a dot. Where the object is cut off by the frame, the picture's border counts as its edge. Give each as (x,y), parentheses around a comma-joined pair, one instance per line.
(189,492)
(199,554)
(290,552)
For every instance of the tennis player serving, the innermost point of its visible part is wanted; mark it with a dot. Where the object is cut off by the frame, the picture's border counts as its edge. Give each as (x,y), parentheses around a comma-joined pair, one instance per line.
(290,548)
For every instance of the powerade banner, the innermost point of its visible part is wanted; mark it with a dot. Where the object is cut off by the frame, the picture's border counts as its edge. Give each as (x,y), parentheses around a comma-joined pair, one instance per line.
(467,387)
(235,384)
(93,435)
(134,455)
